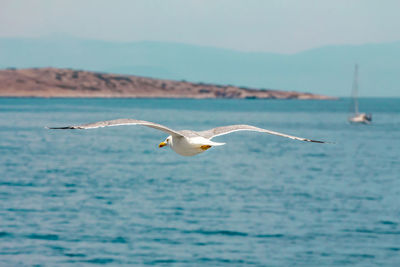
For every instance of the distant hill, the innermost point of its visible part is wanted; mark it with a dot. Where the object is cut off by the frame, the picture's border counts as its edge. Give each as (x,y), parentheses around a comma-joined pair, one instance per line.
(52,82)
(327,70)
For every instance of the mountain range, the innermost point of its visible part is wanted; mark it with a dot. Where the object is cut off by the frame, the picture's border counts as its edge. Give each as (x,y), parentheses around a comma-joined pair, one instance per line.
(327,70)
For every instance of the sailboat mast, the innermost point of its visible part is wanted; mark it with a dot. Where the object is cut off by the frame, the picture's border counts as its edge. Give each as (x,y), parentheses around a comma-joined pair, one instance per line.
(355,89)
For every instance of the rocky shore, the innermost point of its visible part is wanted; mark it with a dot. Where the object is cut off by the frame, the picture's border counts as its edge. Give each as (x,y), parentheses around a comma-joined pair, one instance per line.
(54,82)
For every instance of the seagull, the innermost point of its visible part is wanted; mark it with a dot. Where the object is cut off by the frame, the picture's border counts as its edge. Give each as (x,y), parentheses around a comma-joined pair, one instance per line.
(184,142)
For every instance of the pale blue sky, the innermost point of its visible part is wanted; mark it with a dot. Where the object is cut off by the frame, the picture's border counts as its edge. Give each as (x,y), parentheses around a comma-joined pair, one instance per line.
(284,26)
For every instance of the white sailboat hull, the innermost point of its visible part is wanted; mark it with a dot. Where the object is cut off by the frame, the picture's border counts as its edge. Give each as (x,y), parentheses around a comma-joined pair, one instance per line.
(361,118)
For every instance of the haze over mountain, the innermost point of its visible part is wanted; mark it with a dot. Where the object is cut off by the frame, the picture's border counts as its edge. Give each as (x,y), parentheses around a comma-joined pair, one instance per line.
(326,70)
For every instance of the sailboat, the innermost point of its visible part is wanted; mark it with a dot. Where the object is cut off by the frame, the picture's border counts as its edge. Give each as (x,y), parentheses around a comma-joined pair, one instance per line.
(357,117)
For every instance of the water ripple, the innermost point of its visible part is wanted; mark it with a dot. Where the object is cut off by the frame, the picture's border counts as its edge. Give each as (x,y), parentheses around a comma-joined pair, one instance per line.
(111,197)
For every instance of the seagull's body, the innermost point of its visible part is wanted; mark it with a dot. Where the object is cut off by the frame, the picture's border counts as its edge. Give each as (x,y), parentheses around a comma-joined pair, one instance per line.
(185,142)
(190,146)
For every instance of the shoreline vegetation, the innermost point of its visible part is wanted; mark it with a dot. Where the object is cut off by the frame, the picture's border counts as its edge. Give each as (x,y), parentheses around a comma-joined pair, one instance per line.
(69,83)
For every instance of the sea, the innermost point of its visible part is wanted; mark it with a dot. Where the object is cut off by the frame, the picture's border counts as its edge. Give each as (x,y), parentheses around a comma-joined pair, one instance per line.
(110,196)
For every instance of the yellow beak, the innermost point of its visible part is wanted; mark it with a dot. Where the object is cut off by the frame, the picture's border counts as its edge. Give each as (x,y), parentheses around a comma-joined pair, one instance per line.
(162,144)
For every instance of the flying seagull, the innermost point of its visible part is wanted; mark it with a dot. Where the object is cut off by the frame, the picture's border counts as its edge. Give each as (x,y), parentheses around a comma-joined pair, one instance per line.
(185,142)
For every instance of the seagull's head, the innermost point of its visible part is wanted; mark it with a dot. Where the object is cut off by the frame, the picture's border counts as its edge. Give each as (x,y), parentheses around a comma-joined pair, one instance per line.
(167,142)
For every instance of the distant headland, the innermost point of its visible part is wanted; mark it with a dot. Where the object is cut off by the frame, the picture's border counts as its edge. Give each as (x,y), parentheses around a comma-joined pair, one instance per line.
(54,82)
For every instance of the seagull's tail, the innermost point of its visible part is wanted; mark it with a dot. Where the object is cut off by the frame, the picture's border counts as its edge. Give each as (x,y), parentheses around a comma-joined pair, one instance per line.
(215,143)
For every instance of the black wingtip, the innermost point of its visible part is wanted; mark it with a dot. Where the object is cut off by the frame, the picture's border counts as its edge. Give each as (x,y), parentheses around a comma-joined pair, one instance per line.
(60,128)
(316,141)
(320,142)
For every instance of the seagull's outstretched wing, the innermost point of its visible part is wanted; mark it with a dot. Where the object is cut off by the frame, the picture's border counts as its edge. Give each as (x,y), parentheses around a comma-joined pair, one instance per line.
(209,134)
(119,122)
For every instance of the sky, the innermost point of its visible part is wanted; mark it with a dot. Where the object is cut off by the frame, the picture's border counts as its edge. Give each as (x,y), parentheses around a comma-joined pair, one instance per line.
(281,26)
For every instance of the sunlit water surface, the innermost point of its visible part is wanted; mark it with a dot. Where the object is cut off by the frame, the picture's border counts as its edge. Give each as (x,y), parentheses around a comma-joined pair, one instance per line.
(111,196)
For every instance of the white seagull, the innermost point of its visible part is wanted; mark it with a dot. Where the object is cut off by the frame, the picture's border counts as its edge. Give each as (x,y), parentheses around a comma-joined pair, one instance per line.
(185,142)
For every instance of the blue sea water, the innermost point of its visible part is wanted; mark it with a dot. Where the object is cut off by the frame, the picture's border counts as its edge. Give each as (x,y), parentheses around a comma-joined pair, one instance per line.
(110,196)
